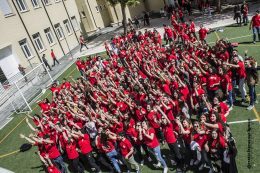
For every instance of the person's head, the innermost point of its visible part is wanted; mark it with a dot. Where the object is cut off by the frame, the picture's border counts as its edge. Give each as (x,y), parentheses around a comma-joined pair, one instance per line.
(236,60)
(213,117)
(145,125)
(216,101)
(257,12)
(186,123)
(52,50)
(214,134)
(43,55)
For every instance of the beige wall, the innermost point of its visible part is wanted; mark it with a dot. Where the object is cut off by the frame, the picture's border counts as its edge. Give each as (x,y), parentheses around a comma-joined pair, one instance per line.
(137,10)
(154,5)
(36,20)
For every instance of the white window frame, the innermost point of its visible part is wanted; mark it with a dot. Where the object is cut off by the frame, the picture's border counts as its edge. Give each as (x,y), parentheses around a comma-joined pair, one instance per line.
(97,9)
(38,42)
(47,2)
(6,12)
(26,48)
(67,26)
(22,5)
(35,3)
(74,23)
(59,31)
(49,36)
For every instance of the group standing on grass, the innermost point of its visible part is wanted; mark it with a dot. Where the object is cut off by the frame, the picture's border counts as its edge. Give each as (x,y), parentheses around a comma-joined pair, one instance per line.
(122,110)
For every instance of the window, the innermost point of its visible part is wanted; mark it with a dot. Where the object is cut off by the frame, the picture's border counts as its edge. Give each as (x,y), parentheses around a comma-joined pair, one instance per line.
(83,14)
(97,9)
(49,35)
(38,41)
(74,23)
(67,26)
(22,6)
(59,31)
(26,49)
(47,2)
(5,7)
(35,3)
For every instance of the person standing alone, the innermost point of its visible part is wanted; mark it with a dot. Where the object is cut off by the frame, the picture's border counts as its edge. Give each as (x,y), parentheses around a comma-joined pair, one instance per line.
(255,25)
(44,60)
(22,71)
(54,58)
(82,42)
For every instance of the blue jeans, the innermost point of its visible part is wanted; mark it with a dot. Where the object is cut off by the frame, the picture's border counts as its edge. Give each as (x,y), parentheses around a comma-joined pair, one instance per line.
(256,30)
(157,152)
(230,98)
(60,164)
(252,94)
(113,156)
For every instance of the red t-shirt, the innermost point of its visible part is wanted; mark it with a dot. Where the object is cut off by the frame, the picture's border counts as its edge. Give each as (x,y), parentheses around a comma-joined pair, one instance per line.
(84,144)
(169,134)
(151,143)
(108,147)
(52,150)
(71,151)
(256,20)
(200,139)
(241,70)
(151,116)
(203,33)
(125,147)
(213,79)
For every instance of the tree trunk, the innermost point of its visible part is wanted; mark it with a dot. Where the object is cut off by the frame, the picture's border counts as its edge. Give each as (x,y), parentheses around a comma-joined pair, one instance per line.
(123,7)
(218,5)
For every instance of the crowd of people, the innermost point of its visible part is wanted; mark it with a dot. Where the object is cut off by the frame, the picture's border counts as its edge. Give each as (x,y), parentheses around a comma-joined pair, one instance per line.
(144,97)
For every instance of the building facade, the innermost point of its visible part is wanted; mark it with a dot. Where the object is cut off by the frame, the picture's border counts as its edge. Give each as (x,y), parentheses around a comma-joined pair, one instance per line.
(96,14)
(31,28)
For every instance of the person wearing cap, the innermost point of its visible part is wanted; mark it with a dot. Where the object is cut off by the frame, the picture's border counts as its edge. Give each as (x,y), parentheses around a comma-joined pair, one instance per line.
(255,25)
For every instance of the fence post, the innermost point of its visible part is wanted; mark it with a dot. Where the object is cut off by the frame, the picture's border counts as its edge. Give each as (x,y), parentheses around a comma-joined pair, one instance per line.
(23,97)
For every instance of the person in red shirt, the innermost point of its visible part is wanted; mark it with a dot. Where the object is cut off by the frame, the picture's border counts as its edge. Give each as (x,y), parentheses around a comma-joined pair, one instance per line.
(171,140)
(84,144)
(255,25)
(215,147)
(147,134)
(127,151)
(241,72)
(53,56)
(245,13)
(203,34)
(72,152)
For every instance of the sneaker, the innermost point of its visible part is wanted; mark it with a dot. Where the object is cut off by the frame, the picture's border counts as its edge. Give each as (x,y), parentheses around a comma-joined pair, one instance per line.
(128,171)
(231,108)
(256,102)
(196,162)
(250,107)
(201,167)
(142,163)
(165,170)
(173,162)
(243,101)
(191,162)
(254,42)
(150,159)
(158,165)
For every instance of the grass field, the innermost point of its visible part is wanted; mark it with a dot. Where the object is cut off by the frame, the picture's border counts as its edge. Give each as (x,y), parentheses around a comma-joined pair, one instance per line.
(28,162)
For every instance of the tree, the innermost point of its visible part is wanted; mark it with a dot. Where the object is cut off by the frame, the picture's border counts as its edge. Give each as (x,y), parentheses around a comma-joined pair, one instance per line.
(218,5)
(123,4)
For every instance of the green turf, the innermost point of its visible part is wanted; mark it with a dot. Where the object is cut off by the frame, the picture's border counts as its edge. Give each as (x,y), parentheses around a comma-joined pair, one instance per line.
(28,162)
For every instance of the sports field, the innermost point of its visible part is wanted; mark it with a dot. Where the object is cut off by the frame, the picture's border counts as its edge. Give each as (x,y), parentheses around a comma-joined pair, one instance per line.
(28,162)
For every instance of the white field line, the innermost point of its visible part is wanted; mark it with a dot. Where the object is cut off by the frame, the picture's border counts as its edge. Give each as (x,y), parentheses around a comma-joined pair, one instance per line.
(233,38)
(243,121)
